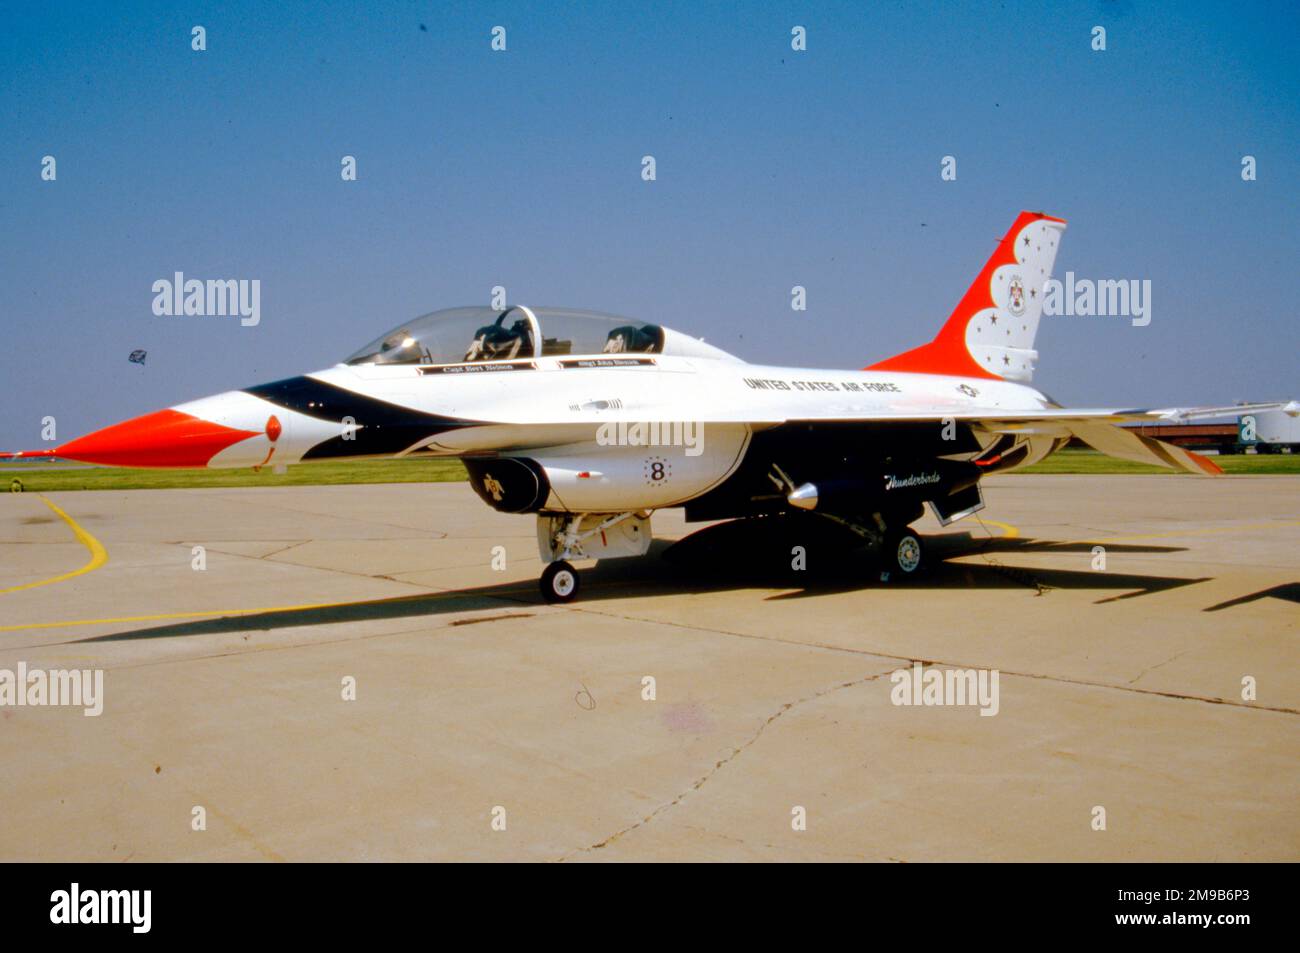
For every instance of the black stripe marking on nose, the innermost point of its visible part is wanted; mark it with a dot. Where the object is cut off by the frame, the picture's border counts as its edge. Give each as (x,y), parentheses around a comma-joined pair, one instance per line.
(381,427)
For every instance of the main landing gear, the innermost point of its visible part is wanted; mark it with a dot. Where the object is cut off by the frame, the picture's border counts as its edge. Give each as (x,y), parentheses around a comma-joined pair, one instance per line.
(902,552)
(898,547)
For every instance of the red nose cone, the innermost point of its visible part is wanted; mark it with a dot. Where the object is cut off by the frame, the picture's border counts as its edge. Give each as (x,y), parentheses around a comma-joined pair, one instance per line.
(167,438)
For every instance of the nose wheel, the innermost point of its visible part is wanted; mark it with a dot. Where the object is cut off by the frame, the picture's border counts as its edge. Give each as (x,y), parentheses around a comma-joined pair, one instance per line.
(559,582)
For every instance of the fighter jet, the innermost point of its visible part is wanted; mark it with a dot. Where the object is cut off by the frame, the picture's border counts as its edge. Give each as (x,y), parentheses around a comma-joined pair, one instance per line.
(592,422)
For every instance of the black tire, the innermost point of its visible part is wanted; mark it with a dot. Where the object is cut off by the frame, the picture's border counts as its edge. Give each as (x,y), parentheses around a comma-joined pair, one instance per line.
(559,582)
(903,553)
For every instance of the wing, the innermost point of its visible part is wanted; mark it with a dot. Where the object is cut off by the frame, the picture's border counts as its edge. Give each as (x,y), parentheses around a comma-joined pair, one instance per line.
(1098,430)
(1097,427)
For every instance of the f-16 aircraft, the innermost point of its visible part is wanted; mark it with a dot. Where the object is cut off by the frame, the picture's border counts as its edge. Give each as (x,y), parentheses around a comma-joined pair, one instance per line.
(592,421)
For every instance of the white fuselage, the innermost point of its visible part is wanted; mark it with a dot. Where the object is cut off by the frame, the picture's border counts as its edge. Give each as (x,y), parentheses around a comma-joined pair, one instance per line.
(613,431)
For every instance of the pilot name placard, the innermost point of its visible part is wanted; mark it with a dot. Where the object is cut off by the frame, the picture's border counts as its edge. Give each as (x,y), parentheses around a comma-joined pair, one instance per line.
(486,368)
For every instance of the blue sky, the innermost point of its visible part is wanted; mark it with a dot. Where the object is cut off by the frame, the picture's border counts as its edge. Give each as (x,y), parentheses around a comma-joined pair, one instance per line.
(775,168)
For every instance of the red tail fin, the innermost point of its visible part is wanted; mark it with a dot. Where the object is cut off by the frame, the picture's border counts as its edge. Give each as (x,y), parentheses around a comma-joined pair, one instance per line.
(991,331)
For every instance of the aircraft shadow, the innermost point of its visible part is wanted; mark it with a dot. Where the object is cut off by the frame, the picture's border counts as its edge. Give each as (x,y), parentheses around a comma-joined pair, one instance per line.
(730,556)
(1288,591)
(763,556)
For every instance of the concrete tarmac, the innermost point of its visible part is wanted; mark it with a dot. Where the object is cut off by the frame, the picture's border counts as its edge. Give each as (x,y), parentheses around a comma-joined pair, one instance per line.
(1125,681)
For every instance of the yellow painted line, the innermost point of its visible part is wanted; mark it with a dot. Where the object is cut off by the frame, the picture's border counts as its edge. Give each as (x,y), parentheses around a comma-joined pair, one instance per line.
(1008,531)
(98,554)
(218,613)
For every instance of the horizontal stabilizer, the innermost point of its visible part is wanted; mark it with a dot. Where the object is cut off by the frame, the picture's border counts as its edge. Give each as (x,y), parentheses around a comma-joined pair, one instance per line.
(1129,445)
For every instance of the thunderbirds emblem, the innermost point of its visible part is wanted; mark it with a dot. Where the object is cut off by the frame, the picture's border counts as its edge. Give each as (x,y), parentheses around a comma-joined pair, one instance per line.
(894,482)
(1016,303)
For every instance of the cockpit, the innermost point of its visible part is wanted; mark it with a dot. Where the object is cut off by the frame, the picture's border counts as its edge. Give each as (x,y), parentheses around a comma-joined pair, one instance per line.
(462,335)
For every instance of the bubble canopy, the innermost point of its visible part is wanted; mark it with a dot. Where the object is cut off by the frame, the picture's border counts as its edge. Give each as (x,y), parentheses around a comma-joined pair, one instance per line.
(459,335)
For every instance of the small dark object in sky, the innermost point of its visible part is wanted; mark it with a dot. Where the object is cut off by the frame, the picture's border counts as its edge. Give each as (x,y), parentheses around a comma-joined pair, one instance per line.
(423,28)
(138,356)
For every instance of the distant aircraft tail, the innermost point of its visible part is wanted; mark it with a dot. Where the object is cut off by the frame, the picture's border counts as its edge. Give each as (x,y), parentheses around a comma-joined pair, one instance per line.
(991,331)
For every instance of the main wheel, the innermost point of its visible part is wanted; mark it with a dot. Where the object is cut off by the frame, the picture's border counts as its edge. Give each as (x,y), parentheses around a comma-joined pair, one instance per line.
(559,582)
(903,553)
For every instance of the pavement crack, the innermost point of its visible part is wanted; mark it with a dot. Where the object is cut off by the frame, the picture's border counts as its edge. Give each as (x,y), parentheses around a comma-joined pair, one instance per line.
(880,653)
(1152,668)
(285,549)
(723,762)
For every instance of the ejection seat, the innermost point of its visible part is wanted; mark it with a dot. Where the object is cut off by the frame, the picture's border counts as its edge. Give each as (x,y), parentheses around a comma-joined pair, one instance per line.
(647,339)
(495,342)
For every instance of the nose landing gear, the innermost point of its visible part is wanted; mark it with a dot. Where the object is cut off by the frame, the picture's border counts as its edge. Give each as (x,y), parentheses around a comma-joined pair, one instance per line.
(565,536)
(559,582)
